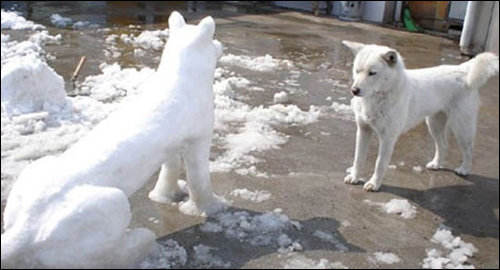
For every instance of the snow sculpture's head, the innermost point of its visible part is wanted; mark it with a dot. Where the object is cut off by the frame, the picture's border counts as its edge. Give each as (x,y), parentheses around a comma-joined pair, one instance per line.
(191,47)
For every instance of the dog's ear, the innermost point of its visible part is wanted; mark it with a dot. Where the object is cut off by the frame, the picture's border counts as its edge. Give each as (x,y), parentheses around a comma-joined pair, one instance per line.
(175,21)
(207,27)
(354,46)
(390,57)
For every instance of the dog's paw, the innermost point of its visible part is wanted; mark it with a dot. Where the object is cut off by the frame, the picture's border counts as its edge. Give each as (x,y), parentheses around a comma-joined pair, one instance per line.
(371,186)
(208,208)
(351,179)
(167,198)
(433,165)
(461,171)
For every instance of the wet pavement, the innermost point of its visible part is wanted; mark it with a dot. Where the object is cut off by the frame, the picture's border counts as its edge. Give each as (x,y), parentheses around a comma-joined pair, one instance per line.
(306,173)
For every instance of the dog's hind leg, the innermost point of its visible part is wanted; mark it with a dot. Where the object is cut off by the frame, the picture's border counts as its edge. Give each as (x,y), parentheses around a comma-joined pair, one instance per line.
(437,125)
(166,189)
(201,198)
(463,122)
(363,135)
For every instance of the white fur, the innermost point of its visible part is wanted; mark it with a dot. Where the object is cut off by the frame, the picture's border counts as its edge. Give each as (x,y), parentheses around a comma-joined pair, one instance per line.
(395,99)
(73,211)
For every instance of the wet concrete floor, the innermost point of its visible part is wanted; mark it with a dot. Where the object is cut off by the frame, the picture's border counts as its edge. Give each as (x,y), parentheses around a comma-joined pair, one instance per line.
(307,172)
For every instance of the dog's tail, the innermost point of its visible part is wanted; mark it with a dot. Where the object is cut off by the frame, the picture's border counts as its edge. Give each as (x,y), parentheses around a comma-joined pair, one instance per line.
(480,69)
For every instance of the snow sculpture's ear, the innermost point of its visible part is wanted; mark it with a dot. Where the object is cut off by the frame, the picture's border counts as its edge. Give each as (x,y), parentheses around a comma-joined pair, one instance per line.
(207,27)
(175,21)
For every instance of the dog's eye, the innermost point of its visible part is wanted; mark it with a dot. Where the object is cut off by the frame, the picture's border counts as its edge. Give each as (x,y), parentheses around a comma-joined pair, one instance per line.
(371,73)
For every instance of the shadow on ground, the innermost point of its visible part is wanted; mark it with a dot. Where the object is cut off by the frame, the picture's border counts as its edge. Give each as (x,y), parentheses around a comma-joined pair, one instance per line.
(238,252)
(467,209)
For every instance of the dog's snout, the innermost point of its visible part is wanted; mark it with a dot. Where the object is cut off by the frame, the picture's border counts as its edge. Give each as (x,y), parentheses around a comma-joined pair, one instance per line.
(355,91)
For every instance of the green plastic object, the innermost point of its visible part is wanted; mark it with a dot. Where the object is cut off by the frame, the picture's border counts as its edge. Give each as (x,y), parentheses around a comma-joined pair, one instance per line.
(408,22)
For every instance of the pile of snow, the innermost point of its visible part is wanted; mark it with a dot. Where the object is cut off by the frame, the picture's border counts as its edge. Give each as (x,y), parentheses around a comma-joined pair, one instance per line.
(12,20)
(168,255)
(261,63)
(299,261)
(114,82)
(387,258)
(147,39)
(330,238)
(459,252)
(60,21)
(396,206)
(30,85)
(280,97)
(267,229)
(32,46)
(37,118)
(204,259)
(254,196)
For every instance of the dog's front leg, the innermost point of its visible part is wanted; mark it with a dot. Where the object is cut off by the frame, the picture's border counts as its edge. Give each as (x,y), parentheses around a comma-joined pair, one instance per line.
(201,199)
(386,146)
(166,189)
(363,135)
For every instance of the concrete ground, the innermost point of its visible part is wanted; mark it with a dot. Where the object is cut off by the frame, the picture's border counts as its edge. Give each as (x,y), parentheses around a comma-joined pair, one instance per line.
(307,172)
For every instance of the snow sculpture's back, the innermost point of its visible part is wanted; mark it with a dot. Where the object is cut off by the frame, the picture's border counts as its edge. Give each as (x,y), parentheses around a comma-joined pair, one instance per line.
(72,211)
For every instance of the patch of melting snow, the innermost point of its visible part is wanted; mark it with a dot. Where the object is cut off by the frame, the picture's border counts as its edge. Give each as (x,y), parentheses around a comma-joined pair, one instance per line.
(299,261)
(267,229)
(396,206)
(203,258)
(458,252)
(168,254)
(330,238)
(260,63)
(386,258)
(254,196)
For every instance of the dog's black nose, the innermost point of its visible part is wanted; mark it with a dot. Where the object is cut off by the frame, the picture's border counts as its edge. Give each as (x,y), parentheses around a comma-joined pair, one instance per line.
(355,91)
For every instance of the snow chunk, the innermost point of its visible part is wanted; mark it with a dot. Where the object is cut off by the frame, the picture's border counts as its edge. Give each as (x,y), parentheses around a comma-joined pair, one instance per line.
(168,254)
(280,97)
(254,196)
(60,21)
(261,63)
(299,261)
(11,20)
(204,259)
(328,237)
(30,85)
(418,169)
(396,206)
(43,37)
(266,229)
(387,258)
(402,207)
(344,111)
(460,252)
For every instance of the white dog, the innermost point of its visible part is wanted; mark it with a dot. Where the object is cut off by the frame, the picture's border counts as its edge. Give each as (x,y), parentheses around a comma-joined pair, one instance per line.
(390,99)
(73,210)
